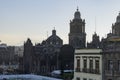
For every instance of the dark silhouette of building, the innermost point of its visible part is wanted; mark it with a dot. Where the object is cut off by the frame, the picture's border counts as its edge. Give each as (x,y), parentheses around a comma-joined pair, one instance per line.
(116,27)
(7,55)
(43,57)
(66,57)
(77,35)
(48,52)
(28,56)
(95,43)
(111,55)
(50,55)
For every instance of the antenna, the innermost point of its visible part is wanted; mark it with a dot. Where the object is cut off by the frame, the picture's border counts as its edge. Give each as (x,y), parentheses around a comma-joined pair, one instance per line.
(76,3)
(95,24)
(77,8)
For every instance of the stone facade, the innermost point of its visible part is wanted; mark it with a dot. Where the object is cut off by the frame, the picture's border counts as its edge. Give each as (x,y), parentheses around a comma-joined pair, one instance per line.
(88,64)
(111,65)
(111,53)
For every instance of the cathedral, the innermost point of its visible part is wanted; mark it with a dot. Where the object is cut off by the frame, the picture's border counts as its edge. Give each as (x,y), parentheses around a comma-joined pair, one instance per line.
(44,57)
(77,34)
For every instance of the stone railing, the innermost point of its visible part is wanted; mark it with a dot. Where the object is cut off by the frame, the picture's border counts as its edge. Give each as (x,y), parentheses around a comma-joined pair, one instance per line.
(77,70)
(93,71)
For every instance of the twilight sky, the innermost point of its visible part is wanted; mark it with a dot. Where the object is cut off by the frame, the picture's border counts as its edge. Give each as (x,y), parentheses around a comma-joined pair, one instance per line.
(20,19)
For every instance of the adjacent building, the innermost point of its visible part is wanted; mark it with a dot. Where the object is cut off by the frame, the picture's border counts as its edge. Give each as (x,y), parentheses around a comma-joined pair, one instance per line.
(9,60)
(111,55)
(88,64)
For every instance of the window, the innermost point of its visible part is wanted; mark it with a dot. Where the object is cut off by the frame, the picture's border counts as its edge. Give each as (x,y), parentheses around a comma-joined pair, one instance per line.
(110,64)
(118,65)
(97,66)
(91,65)
(51,42)
(84,78)
(78,65)
(85,63)
(57,42)
(77,78)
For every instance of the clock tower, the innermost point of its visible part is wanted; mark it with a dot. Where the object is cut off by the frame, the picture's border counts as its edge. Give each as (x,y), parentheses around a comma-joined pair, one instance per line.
(77,35)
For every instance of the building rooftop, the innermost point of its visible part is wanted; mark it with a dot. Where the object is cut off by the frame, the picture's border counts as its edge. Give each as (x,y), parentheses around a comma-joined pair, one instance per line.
(88,50)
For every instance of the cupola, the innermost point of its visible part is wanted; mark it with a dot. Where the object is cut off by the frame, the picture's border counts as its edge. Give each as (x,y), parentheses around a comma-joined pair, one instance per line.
(77,14)
(54,32)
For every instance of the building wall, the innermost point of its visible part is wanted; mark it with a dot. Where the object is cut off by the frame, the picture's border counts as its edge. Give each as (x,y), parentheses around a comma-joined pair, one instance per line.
(19,51)
(87,76)
(112,65)
(87,73)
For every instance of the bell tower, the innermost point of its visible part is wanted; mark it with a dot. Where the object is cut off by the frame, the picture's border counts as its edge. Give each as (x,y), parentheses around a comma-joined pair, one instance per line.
(77,35)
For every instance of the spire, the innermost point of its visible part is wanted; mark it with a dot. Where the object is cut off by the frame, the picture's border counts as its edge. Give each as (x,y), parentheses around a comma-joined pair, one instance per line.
(95,25)
(77,8)
(54,31)
(77,14)
(29,42)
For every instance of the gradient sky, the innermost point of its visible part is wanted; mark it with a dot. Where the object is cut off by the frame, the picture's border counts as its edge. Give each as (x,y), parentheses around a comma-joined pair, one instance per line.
(20,19)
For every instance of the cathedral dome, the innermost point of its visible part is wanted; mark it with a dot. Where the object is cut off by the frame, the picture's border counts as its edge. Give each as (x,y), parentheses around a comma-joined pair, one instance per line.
(77,14)
(118,18)
(54,39)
